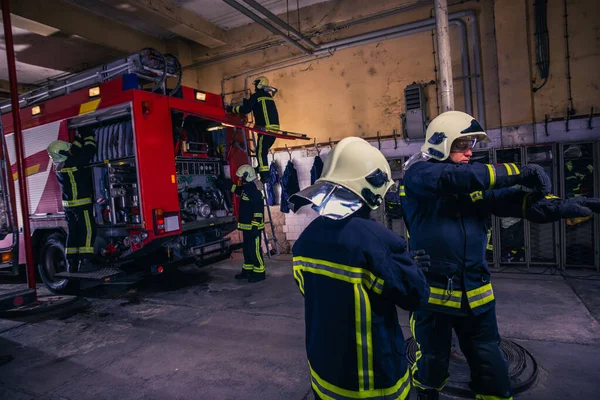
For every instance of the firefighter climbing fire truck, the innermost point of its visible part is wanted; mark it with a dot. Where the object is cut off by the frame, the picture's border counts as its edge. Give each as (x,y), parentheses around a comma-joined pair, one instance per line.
(161,174)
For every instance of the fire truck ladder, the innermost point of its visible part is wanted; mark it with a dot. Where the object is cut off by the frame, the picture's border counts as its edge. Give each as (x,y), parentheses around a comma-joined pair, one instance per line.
(150,66)
(251,138)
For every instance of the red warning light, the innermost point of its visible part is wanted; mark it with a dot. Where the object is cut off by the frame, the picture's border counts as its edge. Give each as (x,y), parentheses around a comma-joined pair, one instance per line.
(160,269)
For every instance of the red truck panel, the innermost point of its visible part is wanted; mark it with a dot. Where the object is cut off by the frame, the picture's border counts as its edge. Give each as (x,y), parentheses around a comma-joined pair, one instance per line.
(155,157)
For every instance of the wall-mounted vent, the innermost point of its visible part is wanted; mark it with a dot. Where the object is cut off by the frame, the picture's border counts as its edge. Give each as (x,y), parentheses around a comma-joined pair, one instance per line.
(414,122)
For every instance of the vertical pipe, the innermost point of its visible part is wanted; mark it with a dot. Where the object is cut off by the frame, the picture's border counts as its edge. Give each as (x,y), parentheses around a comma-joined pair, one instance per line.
(477,69)
(444,54)
(14,97)
(466,68)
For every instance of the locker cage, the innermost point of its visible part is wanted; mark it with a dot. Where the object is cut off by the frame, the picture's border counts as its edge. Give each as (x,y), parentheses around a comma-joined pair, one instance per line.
(574,168)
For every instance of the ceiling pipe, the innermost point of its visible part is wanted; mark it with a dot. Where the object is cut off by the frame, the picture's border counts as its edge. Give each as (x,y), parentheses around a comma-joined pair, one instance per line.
(277,21)
(265,24)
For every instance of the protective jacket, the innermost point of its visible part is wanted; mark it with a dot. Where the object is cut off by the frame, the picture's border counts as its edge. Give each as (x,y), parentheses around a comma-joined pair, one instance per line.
(263,108)
(446,209)
(251,215)
(352,273)
(289,186)
(76,181)
(316,170)
(270,184)
(393,201)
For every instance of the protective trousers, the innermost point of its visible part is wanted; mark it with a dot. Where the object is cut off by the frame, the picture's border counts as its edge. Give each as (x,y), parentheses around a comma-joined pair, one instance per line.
(253,261)
(262,151)
(479,341)
(81,236)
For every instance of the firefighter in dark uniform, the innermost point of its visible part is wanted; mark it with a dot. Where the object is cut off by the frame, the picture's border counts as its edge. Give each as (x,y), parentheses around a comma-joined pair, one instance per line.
(353,272)
(447,208)
(251,223)
(263,107)
(70,162)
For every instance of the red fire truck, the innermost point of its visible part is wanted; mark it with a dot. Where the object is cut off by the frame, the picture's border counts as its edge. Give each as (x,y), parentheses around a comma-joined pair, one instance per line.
(161,175)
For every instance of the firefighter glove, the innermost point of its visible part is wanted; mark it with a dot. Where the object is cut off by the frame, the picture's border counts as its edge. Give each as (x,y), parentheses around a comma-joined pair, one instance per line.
(551,208)
(422,259)
(533,176)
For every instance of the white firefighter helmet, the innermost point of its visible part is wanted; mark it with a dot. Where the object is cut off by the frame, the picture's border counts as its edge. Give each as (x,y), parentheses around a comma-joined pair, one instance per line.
(261,82)
(246,172)
(56,148)
(448,127)
(354,173)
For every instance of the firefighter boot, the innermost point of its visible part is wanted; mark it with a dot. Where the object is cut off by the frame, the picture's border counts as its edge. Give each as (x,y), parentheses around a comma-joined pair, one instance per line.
(256,277)
(245,274)
(429,394)
(72,263)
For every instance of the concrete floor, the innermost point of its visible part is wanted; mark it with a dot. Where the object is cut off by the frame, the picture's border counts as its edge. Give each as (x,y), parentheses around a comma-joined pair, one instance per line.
(198,334)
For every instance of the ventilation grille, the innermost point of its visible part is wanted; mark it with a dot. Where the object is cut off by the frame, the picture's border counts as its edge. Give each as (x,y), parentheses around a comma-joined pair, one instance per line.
(412,97)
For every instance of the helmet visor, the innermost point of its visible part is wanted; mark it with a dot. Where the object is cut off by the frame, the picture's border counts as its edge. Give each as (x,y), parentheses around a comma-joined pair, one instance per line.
(463,144)
(328,199)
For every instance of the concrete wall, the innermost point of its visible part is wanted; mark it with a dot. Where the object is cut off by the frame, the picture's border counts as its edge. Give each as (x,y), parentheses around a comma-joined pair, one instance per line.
(359,91)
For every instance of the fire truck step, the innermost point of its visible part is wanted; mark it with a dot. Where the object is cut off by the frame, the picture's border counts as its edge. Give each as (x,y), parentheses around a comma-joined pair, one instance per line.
(104,274)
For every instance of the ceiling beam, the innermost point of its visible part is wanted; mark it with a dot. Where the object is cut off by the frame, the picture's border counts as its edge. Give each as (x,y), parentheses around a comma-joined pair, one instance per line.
(182,22)
(74,20)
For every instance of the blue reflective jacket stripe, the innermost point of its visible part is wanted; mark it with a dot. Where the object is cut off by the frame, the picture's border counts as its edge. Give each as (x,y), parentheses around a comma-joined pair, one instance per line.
(353,273)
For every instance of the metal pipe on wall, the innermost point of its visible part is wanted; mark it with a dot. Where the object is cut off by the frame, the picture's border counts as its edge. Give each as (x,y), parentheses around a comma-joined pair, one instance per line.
(20,153)
(444,55)
(264,24)
(404,30)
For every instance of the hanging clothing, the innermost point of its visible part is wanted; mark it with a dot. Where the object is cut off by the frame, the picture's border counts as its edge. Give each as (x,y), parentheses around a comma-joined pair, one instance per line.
(270,184)
(289,186)
(316,170)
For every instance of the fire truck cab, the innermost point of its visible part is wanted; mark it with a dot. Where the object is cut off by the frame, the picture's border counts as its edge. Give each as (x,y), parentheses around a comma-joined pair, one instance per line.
(161,174)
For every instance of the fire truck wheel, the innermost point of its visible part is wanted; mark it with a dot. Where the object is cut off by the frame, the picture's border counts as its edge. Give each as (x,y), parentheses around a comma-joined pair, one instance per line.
(52,260)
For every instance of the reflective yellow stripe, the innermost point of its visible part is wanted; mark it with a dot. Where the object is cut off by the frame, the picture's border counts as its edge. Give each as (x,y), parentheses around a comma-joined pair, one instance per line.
(75,203)
(245,198)
(236,109)
(265,98)
(264,168)
(73,183)
(508,169)
(72,250)
(77,143)
(233,187)
(88,229)
(86,250)
(475,196)
(480,296)
(298,278)
(259,151)
(258,215)
(492,172)
(341,272)
(590,168)
(328,391)
(551,196)
(443,297)
(244,227)
(248,267)
(488,397)
(261,265)
(517,171)
(364,341)
(264,106)
(273,127)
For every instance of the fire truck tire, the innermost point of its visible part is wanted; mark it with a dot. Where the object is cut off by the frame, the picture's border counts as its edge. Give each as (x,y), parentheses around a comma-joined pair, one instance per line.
(52,259)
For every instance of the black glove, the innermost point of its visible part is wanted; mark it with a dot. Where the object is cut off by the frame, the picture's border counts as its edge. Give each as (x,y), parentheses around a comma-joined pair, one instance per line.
(422,259)
(550,209)
(533,176)
(229,109)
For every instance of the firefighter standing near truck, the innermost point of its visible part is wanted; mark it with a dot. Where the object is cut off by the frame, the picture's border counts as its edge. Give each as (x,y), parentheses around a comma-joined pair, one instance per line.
(353,272)
(447,207)
(251,223)
(70,162)
(263,107)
